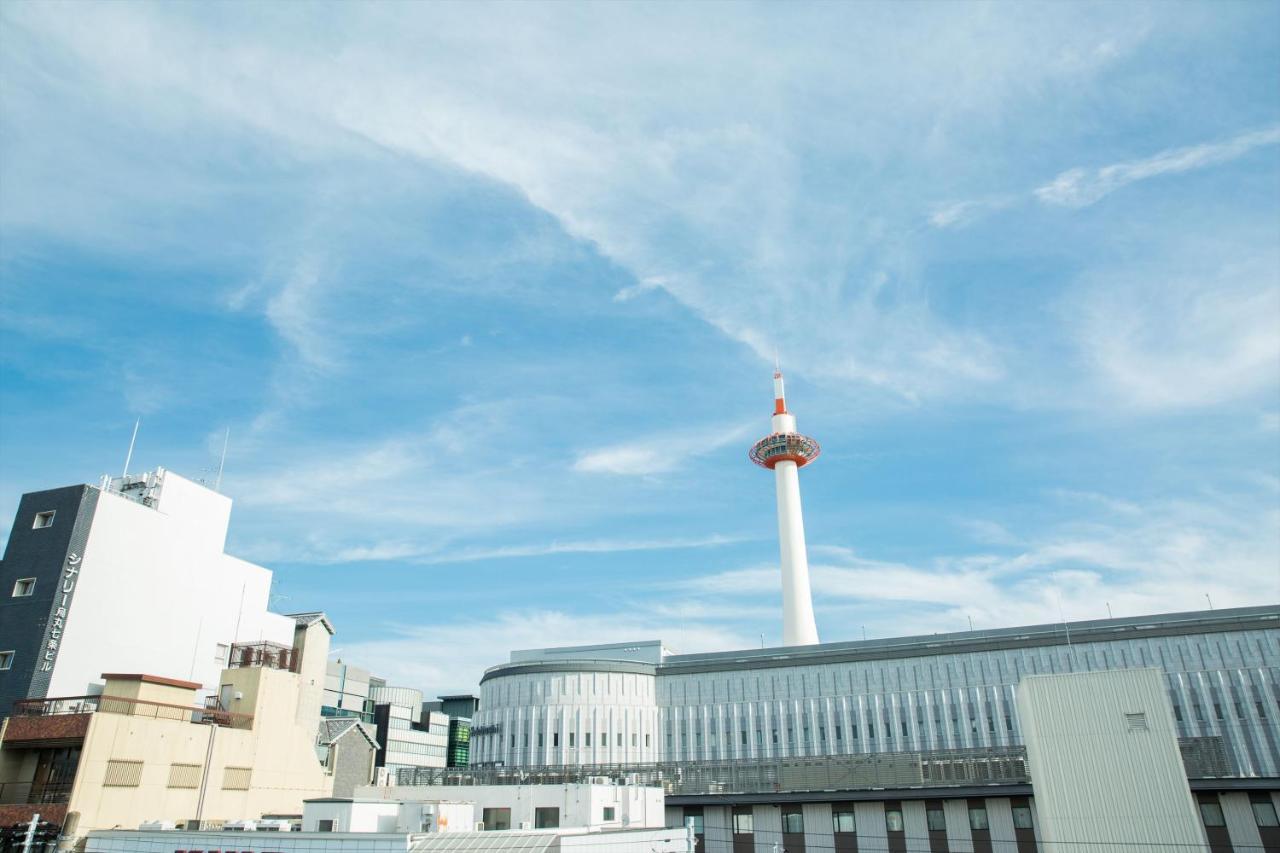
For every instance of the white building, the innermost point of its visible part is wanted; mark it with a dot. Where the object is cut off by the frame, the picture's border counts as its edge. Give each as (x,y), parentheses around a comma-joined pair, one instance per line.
(127,576)
(542,806)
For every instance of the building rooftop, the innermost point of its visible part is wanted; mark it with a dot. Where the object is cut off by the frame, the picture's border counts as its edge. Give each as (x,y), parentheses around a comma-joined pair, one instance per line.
(611,657)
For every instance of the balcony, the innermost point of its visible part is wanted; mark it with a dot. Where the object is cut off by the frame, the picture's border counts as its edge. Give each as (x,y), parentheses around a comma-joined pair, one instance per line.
(39,719)
(33,793)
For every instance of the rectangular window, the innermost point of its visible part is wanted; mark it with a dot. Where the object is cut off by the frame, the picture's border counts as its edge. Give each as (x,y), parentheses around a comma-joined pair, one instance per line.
(571,739)
(555,739)
(937,819)
(609,813)
(586,738)
(1211,814)
(324,826)
(978,817)
(545,817)
(619,738)
(236,778)
(646,741)
(6,660)
(1264,813)
(43,519)
(24,587)
(496,819)
(539,740)
(184,775)
(893,820)
(1022,817)
(793,820)
(123,774)
(744,821)
(843,821)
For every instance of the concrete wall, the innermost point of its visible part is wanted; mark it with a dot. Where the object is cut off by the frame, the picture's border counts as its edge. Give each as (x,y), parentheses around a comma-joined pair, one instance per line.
(279,751)
(1100,776)
(157,594)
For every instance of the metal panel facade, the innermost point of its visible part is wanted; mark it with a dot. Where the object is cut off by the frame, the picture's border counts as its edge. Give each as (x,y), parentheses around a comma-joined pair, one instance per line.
(1102,751)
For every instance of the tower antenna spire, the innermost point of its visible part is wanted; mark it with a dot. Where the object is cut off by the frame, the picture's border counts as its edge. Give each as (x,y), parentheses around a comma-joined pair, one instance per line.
(785,452)
(226,439)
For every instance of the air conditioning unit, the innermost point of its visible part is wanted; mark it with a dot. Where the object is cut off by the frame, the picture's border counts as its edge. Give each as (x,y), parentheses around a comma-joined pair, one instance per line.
(156,825)
(479,826)
(240,825)
(524,824)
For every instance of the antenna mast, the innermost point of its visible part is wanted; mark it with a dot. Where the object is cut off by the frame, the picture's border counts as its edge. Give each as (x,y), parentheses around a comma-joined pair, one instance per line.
(217,484)
(129,456)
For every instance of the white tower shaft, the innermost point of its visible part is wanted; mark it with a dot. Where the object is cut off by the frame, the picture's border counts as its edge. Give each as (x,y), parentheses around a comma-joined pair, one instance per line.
(785,451)
(798,625)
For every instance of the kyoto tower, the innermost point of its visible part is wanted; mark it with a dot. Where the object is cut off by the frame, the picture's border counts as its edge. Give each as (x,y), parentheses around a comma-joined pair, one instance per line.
(786,452)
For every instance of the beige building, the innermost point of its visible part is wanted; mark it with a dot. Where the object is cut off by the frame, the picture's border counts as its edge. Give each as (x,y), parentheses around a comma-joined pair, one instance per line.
(144,751)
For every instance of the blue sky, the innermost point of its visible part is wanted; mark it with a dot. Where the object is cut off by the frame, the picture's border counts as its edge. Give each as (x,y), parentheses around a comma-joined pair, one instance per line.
(488,296)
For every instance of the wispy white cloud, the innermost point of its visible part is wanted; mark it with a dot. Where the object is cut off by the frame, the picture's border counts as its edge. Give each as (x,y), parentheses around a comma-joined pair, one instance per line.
(1082,187)
(411,654)
(659,454)
(1187,330)
(1148,559)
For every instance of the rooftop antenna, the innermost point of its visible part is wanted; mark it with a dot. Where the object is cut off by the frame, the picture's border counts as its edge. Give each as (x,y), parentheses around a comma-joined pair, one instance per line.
(1109,616)
(217,484)
(128,457)
(1208,599)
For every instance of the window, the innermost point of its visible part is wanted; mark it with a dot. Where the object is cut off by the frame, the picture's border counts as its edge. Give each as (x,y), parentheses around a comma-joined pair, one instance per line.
(978,817)
(620,738)
(43,519)
(324,826)
(496,819)
(936,818)
(793,820)
(609,813)
(571,740)
(586,738)
(24,587)
(646,741)
(1211,814)
(744,822)
(695,818)
(545,818)
(842,820)
(1264,813)
(6,660)
(555,738)
(1022,817)
(893,820)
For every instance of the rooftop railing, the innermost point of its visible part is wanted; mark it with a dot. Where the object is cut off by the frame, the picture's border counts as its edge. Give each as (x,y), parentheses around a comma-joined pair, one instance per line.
(131,707)
(266,655)
(940,768)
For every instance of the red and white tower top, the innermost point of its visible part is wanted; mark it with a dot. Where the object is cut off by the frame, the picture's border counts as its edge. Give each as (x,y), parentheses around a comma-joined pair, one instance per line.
(784,442)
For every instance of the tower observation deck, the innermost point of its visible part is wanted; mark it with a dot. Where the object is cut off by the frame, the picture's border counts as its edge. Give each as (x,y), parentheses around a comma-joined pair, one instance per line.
(785,452)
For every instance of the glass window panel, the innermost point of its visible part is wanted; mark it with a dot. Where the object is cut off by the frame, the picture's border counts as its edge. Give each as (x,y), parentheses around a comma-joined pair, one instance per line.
(1211,814)
(978,818)
(1264,814)
(937,819)
(1022,817)
(893,820)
